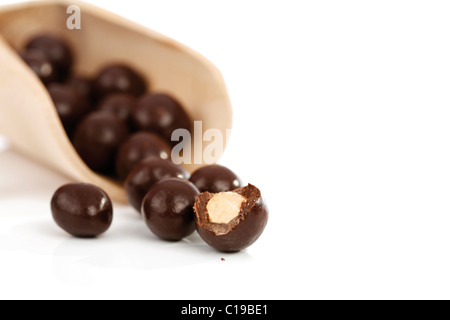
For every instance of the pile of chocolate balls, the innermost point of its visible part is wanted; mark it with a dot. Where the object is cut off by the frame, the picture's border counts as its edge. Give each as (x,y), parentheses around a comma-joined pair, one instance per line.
(122,130)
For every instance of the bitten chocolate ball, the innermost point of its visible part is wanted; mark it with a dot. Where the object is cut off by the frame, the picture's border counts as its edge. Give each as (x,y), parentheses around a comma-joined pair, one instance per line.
(231,221)
(168,209)
(145,174)
(57,51)
(83,210)
(70,104)
(161,114)
(42,66)
(122,105)
(215,178)
(119,79)
(138,147)
(97,138)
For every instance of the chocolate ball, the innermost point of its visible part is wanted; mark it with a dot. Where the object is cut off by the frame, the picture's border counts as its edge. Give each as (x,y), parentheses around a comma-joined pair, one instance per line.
(215,178)
(138,147)
(145,174)
(97,138)
(119,79)
(70,104)
(168,209)
(231,221)
(82,85)
(42,66)
(161,114)
(120,104)
(83,210)
(57,51)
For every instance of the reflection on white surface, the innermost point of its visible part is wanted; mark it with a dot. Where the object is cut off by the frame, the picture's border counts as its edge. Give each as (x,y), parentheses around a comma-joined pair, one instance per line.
(21,177)
(27,228)
(128,245)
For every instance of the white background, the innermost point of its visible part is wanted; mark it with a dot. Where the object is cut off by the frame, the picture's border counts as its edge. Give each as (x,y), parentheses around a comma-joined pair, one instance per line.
(342,118)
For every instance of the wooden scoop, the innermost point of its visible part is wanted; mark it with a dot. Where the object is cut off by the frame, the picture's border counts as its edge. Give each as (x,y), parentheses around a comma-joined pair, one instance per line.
(27,115)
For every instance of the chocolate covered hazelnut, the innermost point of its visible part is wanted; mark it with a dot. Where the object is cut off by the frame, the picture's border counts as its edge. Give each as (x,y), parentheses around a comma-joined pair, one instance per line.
(231,221)
(138,147)
(69,103)
(215,178)
(145,174)
(56,50)
(121,104)
(83,210)
(97,139)
(119,79)
(168,209)
(161,114)
(41,65)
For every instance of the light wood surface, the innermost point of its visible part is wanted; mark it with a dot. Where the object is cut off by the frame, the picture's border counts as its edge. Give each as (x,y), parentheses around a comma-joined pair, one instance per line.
(27,114)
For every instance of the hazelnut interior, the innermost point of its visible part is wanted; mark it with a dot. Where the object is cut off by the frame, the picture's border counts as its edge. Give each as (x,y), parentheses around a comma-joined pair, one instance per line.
(221,212)
(224,207)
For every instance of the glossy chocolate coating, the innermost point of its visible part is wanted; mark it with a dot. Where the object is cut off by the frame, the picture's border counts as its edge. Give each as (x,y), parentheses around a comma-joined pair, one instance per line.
(120,104)
(215,178)
(161,114)
(42,66)
(70,105)
(57,51)
(139,146)
(145,174)
(119,79)
(242,231)
(97,138)
(83,210)
(168,209)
